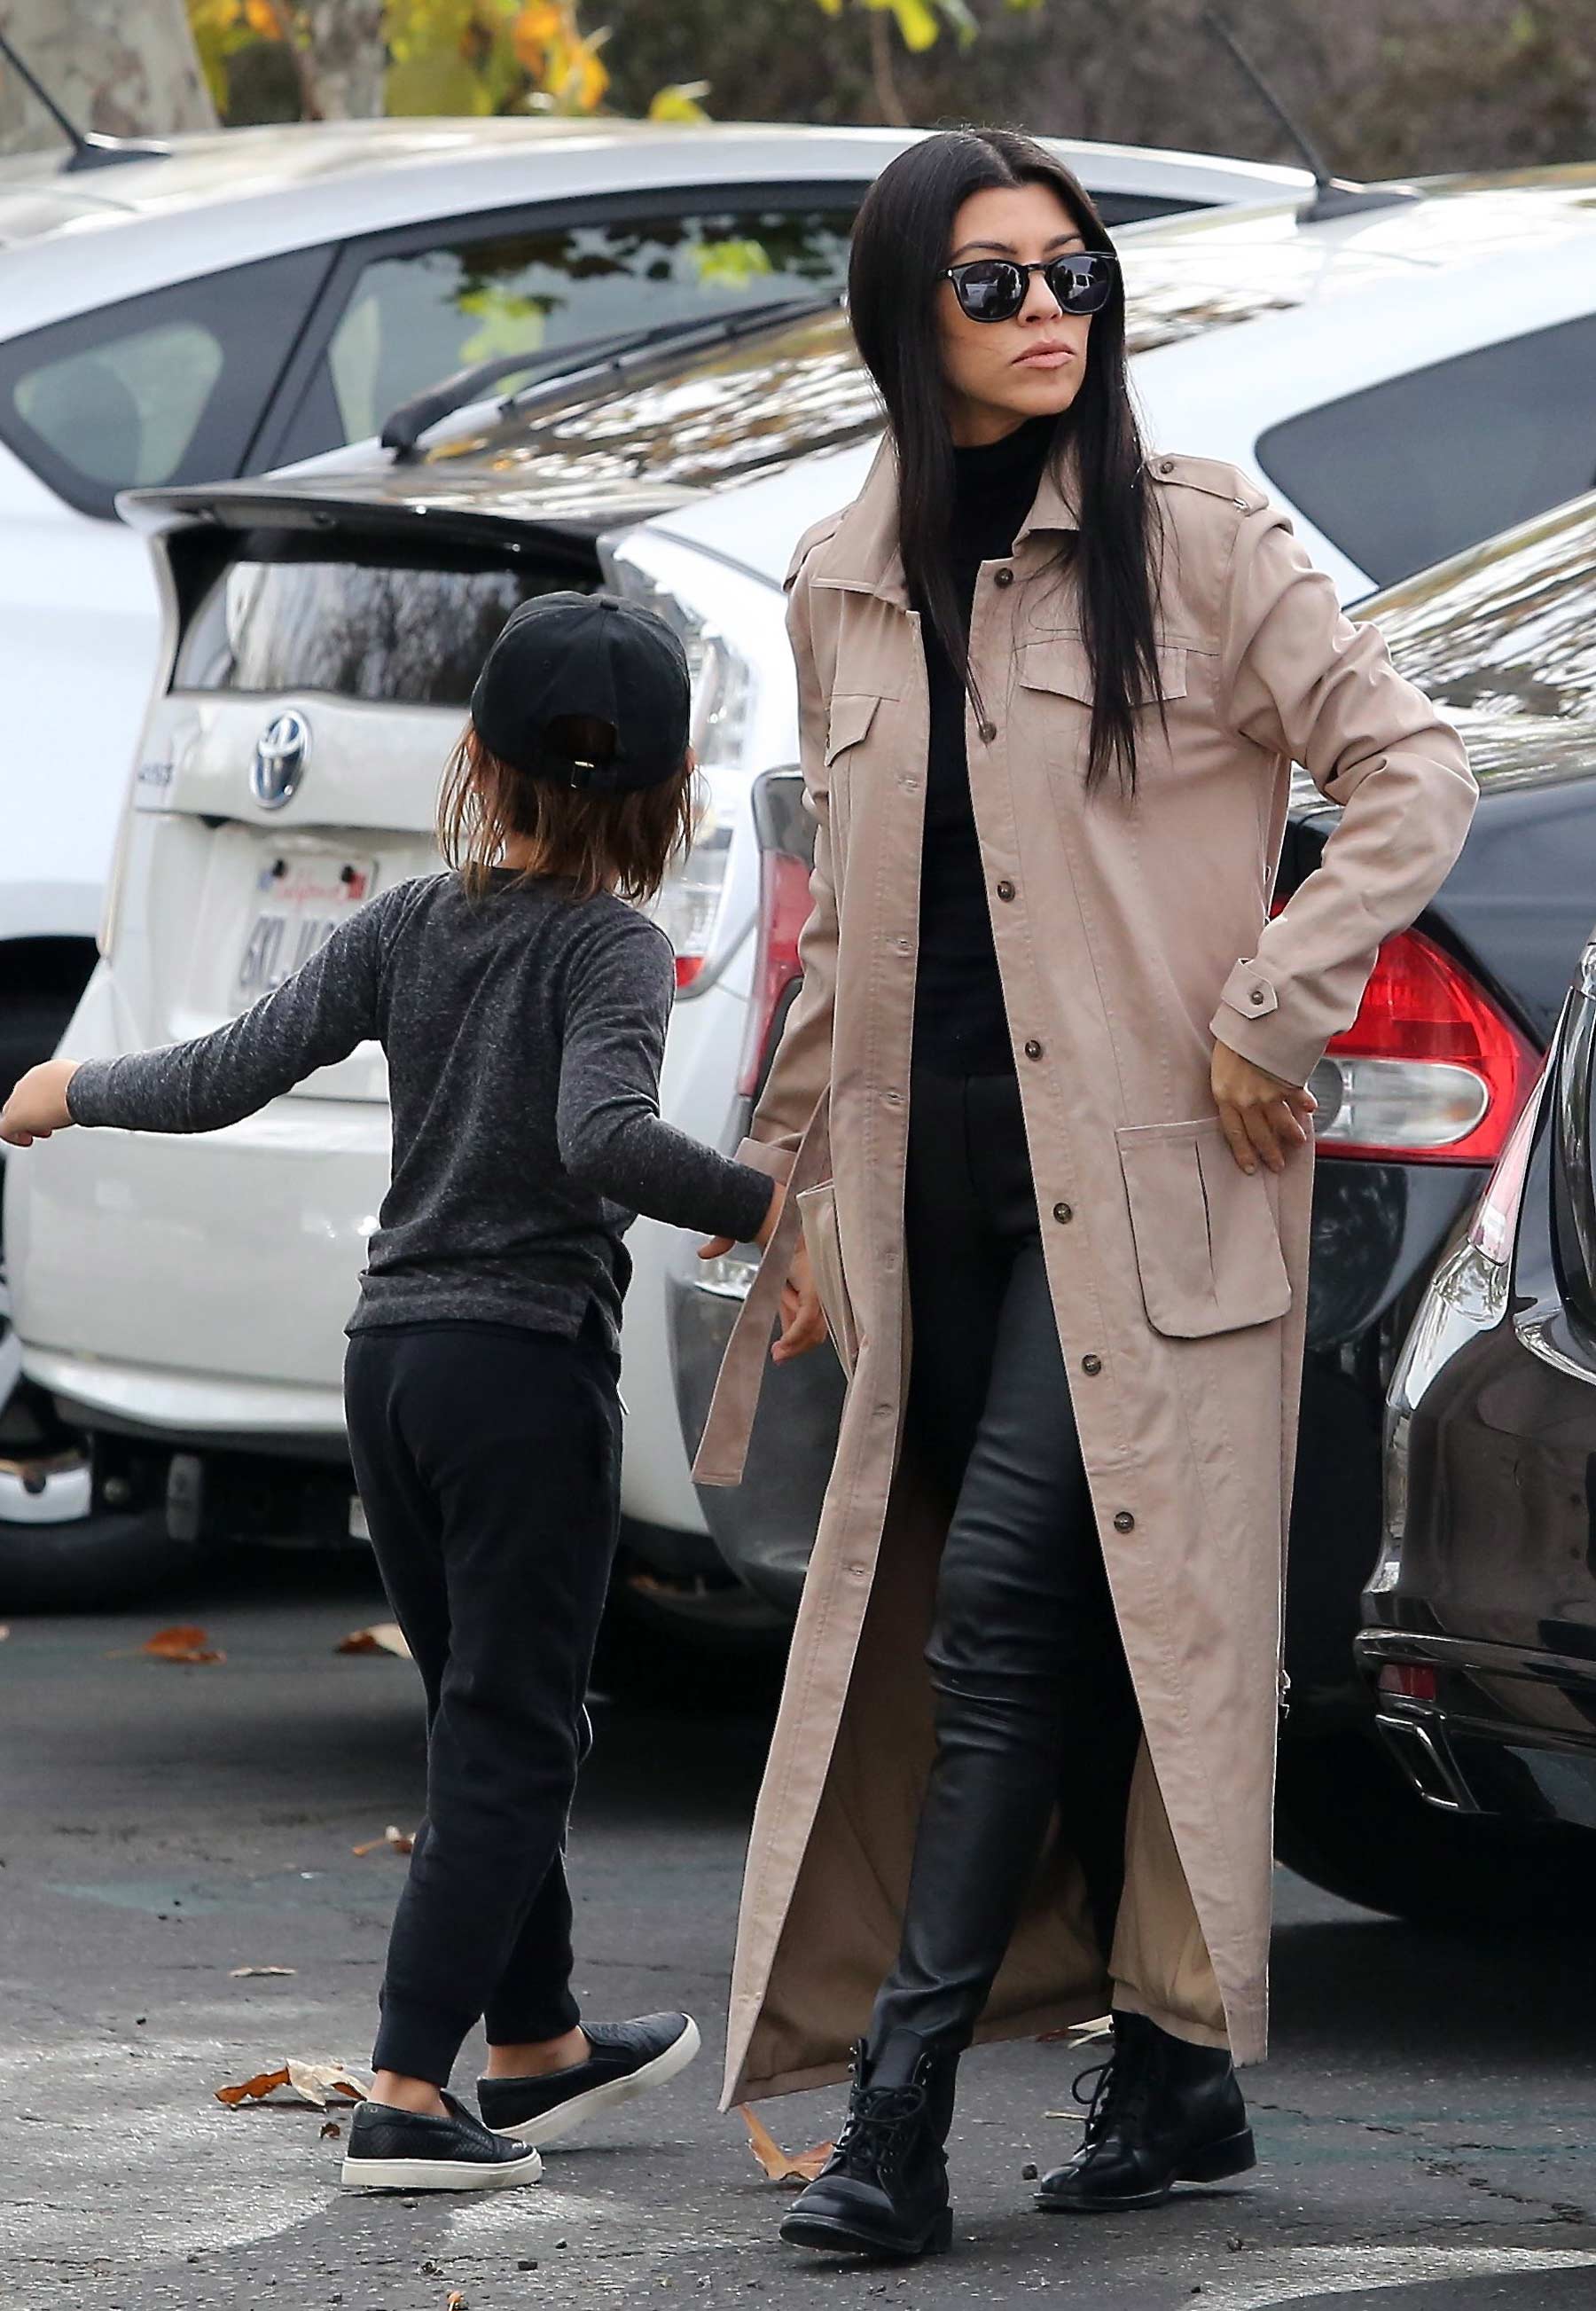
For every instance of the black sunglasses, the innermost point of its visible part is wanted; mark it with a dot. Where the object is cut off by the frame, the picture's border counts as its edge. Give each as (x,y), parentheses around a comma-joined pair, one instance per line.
(994,288)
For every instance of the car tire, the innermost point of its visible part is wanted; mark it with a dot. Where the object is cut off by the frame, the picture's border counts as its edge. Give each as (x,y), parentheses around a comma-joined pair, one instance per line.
(1347,1821)
(83,1567)
(34,1020)
(658,1649)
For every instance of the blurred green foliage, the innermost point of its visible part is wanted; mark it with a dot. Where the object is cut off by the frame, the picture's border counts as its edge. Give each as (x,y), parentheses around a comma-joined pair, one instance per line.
(1389,87)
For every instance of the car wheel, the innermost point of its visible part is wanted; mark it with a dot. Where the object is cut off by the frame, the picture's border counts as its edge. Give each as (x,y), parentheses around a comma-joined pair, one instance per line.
(34,1019)
(692,1648)
(85,1567)
(1347,1820)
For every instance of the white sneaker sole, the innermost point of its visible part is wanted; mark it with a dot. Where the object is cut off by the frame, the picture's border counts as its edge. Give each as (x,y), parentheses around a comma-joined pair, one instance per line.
(438,2173)
(564,2119)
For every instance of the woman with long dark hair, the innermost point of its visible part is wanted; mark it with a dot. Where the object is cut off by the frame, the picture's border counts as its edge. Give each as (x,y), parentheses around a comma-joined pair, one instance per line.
(1041,1103)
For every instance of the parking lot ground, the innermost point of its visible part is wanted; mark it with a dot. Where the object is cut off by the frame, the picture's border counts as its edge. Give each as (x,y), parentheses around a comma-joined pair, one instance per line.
(1426,2121)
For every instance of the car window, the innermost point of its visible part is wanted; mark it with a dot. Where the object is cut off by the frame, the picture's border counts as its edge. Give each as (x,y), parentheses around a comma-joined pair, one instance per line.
(1513,630)
(294,617)
(415,316)
(165,388)
(1422,466)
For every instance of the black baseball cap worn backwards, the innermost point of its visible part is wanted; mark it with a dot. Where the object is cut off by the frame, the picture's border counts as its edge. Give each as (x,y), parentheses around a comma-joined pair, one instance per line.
(592,655)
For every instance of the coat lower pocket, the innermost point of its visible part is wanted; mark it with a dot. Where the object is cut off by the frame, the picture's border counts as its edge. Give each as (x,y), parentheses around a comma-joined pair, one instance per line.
(818,1209)
(1208,1248)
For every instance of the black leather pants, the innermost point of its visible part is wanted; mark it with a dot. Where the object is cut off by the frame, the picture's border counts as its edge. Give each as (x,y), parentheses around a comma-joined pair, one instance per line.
(1034,1704)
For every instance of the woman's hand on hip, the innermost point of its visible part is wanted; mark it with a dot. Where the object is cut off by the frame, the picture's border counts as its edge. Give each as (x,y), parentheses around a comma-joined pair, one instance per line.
(1263,1117)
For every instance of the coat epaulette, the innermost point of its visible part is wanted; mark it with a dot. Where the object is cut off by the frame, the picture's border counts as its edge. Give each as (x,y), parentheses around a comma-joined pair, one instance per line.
(815,534)
(1212,476)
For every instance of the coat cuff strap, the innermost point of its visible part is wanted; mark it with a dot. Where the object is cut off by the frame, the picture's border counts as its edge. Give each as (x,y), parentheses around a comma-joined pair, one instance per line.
(1250,1021)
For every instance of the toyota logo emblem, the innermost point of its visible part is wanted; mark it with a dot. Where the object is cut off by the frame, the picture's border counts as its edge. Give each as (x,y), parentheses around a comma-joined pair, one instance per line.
(281,754)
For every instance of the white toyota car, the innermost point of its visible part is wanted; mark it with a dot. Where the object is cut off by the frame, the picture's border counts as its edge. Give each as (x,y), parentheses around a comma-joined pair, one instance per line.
(249,298)
(1408,378)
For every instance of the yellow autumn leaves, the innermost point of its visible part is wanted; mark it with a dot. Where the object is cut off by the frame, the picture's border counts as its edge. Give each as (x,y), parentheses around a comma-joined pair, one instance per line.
(449,55)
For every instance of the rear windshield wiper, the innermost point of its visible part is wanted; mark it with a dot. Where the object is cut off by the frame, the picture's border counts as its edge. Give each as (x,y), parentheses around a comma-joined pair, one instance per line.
(404,427)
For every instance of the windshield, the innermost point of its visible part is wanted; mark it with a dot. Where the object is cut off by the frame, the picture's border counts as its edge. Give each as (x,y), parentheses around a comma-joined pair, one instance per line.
(1513,631)
(719,417)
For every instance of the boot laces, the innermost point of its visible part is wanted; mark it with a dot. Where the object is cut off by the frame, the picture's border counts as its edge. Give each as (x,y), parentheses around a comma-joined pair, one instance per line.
(877,2128)
(1121,2089)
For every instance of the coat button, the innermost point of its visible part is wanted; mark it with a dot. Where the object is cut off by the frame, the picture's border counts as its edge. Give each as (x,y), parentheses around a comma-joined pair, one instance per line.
(988,732)
(1124,1521)
(1166,464)
(1063,1212)
(1092,1365)
(1033,1049)
(1006,890)
(1004,577)
(1255,995)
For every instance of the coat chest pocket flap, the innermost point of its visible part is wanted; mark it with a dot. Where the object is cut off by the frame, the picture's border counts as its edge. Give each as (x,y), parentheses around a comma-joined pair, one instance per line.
(853,711)
(1208,1248)
(817,1207)
(1060,664)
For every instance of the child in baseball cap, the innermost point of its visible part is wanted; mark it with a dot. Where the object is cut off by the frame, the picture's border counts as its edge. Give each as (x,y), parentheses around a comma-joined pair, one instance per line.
(522,1003)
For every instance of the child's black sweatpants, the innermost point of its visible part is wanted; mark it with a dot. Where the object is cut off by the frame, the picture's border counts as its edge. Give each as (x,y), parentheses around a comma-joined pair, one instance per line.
(488,1458)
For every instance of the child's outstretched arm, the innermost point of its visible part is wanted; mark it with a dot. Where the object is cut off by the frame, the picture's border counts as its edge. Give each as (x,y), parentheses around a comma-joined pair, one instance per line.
(316,1017)
(611,1135)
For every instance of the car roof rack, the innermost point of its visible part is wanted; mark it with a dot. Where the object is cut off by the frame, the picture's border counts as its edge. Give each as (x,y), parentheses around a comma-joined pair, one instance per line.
(89,149)
(403,427)
(1332,196)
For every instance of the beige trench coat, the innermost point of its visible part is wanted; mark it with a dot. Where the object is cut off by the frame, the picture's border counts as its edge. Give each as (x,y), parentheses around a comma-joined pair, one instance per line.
(1129,935)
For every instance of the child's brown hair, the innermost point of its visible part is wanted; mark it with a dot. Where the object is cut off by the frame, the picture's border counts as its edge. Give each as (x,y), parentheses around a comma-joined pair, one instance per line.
(599,841)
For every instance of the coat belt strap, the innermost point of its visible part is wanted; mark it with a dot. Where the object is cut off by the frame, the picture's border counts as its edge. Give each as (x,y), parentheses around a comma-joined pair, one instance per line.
(723,1448)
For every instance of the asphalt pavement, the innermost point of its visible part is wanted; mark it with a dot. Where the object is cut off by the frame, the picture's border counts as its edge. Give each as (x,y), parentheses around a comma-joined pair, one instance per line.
(1426,2121)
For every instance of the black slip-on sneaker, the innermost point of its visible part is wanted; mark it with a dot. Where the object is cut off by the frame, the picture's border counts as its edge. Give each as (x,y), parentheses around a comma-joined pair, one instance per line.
(392,2150)
(628,2058)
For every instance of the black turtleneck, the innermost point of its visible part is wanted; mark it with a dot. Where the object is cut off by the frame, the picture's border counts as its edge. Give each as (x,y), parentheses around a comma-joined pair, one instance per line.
(960,1023)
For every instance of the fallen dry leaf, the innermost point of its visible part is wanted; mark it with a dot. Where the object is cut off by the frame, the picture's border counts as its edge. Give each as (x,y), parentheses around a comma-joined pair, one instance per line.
(780,2166)
(250,1973)
(456,2301)
(1078,2033)
(331,2130)
(182,1643)
(311,2082)
(382,1637)
(396,1841)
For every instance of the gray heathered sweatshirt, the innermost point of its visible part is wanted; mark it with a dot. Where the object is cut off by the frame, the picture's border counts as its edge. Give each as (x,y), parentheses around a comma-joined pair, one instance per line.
(524,1035)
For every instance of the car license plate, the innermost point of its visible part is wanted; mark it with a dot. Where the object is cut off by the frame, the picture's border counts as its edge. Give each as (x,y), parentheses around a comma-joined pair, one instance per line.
(298,903)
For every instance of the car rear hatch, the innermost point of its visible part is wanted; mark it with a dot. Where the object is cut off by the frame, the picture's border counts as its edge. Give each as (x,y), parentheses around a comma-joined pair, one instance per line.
(320,660)
(321,672)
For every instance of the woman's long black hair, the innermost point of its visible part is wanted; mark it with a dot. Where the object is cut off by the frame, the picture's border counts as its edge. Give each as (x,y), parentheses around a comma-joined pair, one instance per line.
(901,245)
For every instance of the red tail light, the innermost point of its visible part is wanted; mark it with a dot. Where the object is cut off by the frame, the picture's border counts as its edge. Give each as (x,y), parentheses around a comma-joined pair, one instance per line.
(783,910)
(1413,1680)
(1431,1071)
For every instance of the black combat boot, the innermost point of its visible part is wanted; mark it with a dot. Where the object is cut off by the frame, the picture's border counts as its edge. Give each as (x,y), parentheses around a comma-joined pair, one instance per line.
(1161,2112)
(884,2190)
